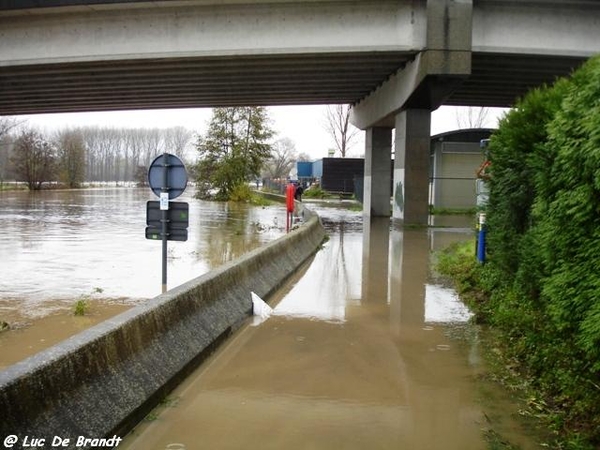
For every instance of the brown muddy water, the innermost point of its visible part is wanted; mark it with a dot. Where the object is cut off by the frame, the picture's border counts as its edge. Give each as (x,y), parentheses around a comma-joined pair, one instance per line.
(363,351)
(57,247)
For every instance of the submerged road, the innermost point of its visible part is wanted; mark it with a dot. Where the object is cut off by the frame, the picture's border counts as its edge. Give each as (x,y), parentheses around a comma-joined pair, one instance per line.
(356,355)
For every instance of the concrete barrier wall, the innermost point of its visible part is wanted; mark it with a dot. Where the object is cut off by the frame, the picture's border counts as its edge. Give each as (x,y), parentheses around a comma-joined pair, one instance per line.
(102,381)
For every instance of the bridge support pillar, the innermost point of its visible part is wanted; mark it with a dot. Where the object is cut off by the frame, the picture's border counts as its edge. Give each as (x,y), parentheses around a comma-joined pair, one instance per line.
(377,181)
(411,167)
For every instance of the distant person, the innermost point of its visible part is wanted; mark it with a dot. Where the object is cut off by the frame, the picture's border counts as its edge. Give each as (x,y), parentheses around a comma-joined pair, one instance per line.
(298,192)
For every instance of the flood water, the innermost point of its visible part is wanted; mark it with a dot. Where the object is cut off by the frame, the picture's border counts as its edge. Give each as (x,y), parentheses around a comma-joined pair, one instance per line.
(363,351)
(60,246)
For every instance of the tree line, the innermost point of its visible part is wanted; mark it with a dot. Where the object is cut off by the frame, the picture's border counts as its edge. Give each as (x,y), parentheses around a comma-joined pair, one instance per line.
(73,156)
(239,146)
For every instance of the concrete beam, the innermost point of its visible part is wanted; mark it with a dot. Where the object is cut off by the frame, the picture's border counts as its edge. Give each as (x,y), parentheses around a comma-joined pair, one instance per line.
(93,55)
(204,29)
(424,82)
(533,27)
(435,72)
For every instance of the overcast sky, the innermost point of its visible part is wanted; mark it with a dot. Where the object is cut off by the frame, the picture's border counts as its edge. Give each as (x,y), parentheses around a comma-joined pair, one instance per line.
(304,125)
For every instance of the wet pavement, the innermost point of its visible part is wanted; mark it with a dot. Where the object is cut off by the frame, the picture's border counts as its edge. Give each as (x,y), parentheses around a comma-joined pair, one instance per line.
(357,354)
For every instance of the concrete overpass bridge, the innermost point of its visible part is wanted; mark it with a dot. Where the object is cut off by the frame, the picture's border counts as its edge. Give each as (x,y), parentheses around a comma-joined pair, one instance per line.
(394,61)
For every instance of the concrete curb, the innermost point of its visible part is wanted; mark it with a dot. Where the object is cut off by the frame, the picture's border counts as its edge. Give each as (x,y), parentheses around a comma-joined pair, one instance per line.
(102,381)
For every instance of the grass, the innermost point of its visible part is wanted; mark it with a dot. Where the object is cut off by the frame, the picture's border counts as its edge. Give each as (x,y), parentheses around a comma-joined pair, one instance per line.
(316,192)
(244,193)
(10,186)
(496,442)
(451,211)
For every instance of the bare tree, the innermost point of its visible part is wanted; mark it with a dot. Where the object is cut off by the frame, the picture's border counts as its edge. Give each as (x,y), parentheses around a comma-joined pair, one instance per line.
(471,117)
(303,157)
(112,154)
(152,145)
(6,150)
(339,127)
(283,157)
(7,124)
(177,140)
(34,158)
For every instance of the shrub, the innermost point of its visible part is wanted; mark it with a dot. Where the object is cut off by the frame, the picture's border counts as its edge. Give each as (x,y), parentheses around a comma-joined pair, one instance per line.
(81,306)
(315,192)
(541,283)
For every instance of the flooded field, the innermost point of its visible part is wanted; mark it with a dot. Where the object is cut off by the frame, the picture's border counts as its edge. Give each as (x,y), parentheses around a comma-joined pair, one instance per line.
(363,350)
(58,247)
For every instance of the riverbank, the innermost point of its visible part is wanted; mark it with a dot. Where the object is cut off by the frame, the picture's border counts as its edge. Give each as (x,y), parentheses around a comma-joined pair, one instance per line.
(541,406)
(8,186)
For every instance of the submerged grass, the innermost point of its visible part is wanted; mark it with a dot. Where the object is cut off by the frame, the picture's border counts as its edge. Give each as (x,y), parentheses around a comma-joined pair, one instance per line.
(81,306)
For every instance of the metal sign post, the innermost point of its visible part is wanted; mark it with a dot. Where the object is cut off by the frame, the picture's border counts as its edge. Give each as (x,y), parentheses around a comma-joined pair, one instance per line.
(168,179)
(164,208)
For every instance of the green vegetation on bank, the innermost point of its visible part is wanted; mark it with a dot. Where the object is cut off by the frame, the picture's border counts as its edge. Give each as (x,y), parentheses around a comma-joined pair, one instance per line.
(316,192)
(540,287)
(243,193)
(452,211)
(12,187)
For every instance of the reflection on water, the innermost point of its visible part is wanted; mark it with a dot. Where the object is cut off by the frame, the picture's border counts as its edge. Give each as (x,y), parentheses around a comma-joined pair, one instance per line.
(443,305)
(59,245)
(356,356)
(331,283)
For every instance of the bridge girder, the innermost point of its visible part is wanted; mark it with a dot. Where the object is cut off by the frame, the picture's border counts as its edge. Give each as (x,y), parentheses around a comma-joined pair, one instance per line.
(91,55)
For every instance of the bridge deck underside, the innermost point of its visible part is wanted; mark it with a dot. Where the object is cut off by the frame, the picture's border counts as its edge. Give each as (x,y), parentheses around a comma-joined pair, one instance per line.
(499,80)
(496,80)
(195,82)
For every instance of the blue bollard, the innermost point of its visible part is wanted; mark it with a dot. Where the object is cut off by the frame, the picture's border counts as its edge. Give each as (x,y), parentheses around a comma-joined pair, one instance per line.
(481,246)
(481,239)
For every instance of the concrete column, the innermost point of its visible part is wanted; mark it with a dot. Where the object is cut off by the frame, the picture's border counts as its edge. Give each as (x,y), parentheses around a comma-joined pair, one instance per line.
(377,181)
(411,167)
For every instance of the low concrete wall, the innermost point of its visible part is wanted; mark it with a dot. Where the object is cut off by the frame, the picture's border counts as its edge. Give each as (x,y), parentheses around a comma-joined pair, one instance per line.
(105,379)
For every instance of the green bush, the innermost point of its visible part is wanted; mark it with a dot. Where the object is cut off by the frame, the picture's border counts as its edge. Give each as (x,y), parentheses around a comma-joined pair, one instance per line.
(541,285)
(244,193)
(518,154)
(315,192)
(81,306)
(241,193)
